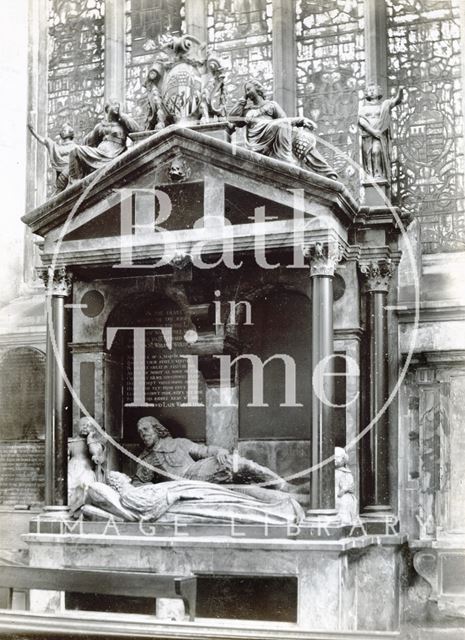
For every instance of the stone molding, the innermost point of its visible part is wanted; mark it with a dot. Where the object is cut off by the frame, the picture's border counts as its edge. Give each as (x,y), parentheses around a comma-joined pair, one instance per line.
(323,258)
(377,274)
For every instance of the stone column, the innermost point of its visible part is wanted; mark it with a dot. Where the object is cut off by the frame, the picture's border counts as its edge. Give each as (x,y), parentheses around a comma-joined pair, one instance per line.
(284,55)
(58,404)
(323,258)
(196,19)
(375,446)
(115,40)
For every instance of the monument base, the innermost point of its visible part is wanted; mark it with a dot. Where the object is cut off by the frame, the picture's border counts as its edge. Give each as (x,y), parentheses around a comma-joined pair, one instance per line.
(339,583)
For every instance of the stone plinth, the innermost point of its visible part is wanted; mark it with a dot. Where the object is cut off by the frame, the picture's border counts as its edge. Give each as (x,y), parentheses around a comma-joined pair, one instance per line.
(340,583)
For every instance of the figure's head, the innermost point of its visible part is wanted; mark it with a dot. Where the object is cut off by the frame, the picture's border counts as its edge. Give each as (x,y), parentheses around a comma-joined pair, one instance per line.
(340,457)
(118,481)
(254,88)
(151,430)
(155,72)
(373,92)
(67,132)
(112,109)
(85,426)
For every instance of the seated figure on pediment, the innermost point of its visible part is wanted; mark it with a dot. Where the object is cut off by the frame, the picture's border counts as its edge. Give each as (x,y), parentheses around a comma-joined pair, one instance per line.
(106,142)
(271,133)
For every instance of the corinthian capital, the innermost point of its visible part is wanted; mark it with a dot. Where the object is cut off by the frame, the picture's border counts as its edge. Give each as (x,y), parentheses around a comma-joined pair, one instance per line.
(377,274)
(58,281)
(323,257)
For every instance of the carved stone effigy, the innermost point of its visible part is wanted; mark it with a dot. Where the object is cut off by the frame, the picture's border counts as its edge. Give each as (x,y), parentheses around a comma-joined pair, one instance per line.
(185,85)
(189,502)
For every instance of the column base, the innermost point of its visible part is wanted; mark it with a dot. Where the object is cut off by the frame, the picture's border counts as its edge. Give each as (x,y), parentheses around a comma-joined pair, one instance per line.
(323,517)
(52,519)
(379,519)
(55,512)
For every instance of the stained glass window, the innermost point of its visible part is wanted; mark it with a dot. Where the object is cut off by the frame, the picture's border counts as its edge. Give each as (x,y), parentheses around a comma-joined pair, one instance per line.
(146,22)
(330,74)
(239,31)
(424,58)
(76,64)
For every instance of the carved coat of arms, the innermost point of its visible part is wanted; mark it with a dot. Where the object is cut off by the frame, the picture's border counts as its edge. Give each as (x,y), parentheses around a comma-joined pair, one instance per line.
(184,85)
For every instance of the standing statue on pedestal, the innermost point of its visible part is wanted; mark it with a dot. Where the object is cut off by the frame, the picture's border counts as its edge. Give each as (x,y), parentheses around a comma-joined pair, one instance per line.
(105,143)
(58,153)
(375,121)
(271,133)
(346,502)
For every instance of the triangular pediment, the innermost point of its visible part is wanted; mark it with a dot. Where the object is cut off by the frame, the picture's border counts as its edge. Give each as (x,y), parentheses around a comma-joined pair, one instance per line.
(206,182)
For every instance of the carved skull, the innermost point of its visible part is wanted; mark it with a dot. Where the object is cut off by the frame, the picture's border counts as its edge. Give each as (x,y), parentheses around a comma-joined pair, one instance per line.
(179,170)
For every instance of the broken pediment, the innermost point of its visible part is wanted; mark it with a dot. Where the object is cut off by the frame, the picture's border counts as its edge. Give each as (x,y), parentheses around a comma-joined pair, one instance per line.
(187,182)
